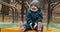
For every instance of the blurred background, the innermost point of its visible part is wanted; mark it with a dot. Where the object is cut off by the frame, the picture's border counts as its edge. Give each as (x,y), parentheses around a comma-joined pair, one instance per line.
(14,11)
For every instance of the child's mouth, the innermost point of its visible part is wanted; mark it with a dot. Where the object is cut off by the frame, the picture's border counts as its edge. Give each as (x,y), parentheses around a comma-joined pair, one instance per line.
(33,8)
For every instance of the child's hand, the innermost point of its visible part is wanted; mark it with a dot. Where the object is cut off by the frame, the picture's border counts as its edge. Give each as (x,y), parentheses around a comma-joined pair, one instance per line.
(21,26)
(39,25)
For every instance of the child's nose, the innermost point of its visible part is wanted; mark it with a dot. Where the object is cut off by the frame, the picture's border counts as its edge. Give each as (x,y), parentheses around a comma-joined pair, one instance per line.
(33,7)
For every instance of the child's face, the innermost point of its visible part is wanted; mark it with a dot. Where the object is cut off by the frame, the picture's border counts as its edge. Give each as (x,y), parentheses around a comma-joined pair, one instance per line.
(34,8)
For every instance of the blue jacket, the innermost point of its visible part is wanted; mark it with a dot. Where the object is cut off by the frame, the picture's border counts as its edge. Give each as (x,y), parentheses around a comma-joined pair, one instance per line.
(33,17)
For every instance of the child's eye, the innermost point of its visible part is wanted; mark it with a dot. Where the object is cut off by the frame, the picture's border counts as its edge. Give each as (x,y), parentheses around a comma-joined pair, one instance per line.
(33,5)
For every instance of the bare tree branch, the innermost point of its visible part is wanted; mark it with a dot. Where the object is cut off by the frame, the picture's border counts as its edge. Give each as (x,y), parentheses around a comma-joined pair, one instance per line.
(56,5)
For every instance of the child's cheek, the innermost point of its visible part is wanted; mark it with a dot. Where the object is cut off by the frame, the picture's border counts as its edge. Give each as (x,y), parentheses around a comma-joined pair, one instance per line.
(34,8)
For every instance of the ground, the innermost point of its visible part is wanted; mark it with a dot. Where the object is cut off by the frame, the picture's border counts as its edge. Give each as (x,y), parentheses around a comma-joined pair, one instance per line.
(16,28)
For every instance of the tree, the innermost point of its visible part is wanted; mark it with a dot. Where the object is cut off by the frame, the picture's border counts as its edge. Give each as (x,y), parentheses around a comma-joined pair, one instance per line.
(5,8)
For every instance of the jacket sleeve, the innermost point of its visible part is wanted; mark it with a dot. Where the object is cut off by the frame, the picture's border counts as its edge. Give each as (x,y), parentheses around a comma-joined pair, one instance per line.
(40,17)
(28,18)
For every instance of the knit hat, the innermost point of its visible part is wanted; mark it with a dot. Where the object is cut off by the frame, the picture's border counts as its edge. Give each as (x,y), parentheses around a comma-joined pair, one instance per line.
(36,3)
